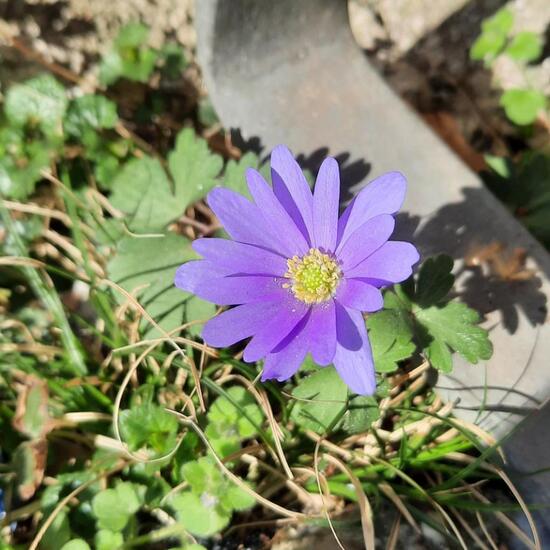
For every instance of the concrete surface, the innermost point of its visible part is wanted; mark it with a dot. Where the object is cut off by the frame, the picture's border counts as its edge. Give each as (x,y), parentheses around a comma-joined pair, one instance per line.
(290,72)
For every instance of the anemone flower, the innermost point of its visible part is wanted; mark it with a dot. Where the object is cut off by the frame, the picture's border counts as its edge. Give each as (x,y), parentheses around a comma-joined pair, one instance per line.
(299,276)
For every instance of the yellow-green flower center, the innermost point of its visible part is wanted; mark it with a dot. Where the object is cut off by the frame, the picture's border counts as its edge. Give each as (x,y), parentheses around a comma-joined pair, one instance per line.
(314,277)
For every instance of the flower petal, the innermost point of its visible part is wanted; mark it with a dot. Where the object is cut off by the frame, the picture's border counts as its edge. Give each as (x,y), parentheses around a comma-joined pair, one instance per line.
(391,263)
(355,367)
(292,190)
(241,257)
(384,195)
(288,356)
(365,240)
(321,330)
(241,289)
(241,219)
(287,235)
(326,199)
(192,273)
(347,334)
(358,294)
(236,324)
(274,329)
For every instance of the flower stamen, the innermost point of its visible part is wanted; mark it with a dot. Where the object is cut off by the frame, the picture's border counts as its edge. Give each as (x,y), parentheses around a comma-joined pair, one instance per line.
(314,277)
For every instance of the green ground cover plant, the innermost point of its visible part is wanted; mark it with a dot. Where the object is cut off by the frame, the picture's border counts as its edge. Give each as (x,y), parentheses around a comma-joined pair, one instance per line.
(120,427)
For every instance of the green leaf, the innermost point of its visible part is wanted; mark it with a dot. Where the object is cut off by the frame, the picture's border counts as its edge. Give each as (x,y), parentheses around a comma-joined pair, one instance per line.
(200,515)
(324,398)
(106,169)
(130,57)
(114,507)
(454,325)
(193,167)
(90,112)
(207,114)
(500,165)
(197,309)
(234,498)
(76,544)
(174,62)
(523,106)
(57,534)
(435,280)
(149,425)
(487,46)
(502,22)
(525,46)
(18,176)
(132,35)
(140,70)
(203,476)
(224,438)
(390,335)
(238,408)
(40,101)
(494,33)
(420,311)
(525,189)
(108,540)
(111,68)
(142,191)
(150,264)
(234,175)
(439,355)
(362,411)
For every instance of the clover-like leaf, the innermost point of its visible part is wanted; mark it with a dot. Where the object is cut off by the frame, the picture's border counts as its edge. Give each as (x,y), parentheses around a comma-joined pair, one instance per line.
(76,544)
(494,33)
(114,507)
(502,22)
(90,111)
(130,56)
(200,515)
(107,540)
(40,101)
(523,106)
(224,438)
(21,163)
(237,407)
(487,46)
(149,425)
(235,498)
(525,46)
(203,476)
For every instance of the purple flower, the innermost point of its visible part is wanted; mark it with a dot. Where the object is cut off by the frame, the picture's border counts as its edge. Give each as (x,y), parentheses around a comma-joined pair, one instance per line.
(299,275)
